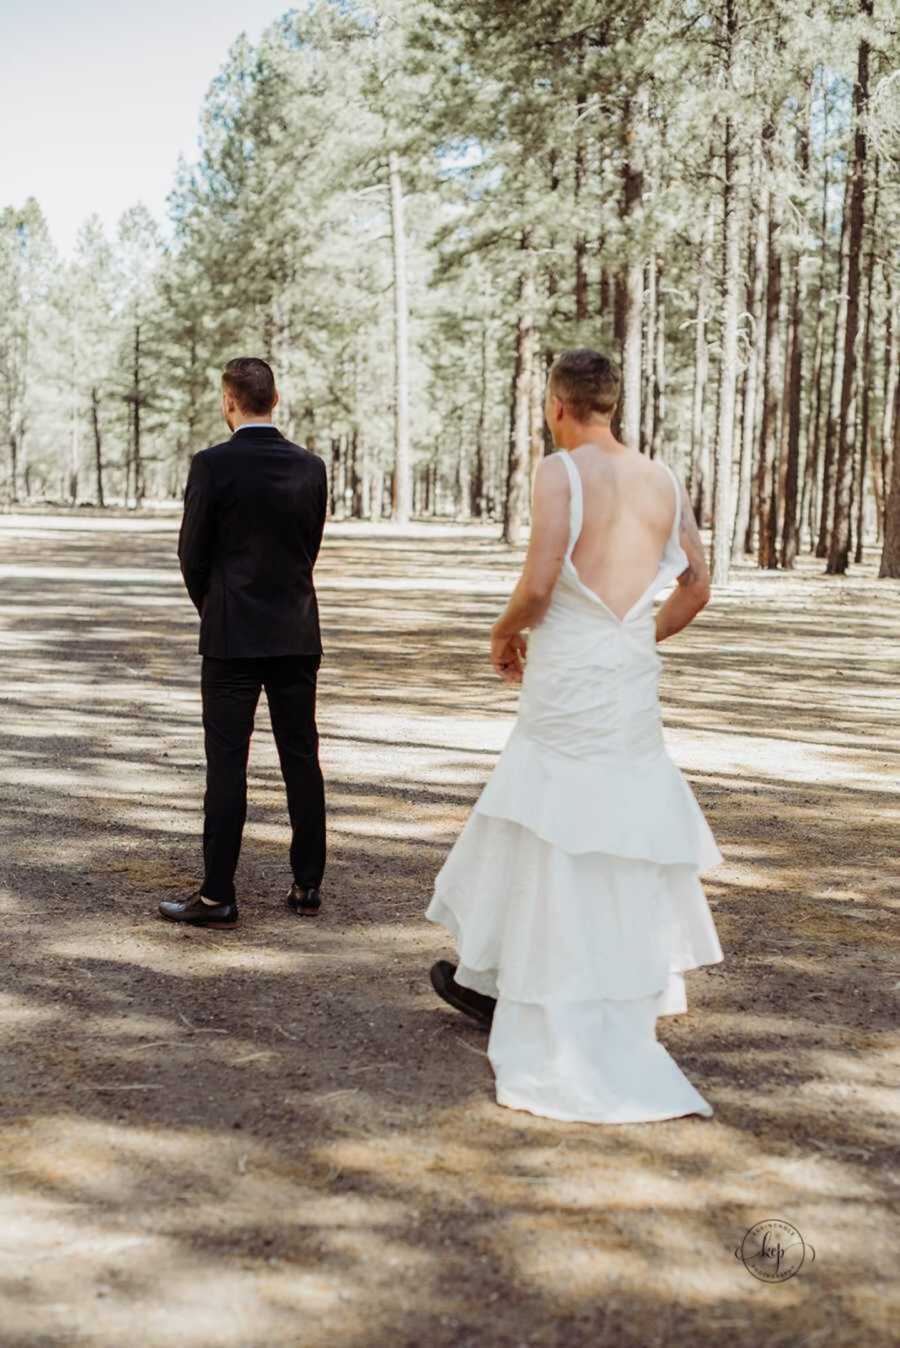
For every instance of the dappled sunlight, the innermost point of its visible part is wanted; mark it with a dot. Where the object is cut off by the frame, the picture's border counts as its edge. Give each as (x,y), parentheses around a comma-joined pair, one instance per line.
(17,1012)
(185,962)
(230,1138)
(570,1270)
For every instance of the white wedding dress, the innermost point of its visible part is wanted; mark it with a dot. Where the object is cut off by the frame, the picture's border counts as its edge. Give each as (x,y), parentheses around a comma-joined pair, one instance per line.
(572,891)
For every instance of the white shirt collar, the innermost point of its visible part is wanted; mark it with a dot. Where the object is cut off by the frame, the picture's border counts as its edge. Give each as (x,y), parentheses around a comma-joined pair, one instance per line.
(246,425)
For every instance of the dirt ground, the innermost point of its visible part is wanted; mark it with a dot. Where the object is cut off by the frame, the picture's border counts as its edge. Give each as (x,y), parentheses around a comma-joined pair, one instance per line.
(278,1136)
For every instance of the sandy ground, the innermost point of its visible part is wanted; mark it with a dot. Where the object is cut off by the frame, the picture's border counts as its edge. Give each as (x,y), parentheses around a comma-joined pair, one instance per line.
(278,1136)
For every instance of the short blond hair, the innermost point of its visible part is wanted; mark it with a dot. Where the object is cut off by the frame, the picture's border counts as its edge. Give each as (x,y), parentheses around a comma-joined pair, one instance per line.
(587,382)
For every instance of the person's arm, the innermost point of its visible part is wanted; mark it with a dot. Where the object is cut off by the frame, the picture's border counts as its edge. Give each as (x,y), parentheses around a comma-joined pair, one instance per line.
(197,530)
(543,563)
(692,592)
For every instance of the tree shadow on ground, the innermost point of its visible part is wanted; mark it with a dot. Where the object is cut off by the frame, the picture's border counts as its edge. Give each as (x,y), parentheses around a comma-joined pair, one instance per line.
(278,1136)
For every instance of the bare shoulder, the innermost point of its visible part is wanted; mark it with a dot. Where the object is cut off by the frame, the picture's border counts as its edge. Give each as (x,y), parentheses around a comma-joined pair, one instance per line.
(550,477)
(662,473)
(664,476)
(654,480)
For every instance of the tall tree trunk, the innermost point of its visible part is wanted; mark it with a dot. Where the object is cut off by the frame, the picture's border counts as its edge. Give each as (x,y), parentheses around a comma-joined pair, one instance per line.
(536,406)
(356,477)
(402,500)
(620,305)
(699,475)
(630,413)
(649,356)
(881,450)
(768,431)
(479,476)
(781,457)
(334,484)
(632,284)
(552,307)
(581,278)
(814,425)
(891,383)
(516,503)
(731,275)
(136,403)
(790,478)
(866,374)
(791,439)
(13,467)
(74,454)
(17,397)
(890,554)
(809,493)
(826,503)
(753,522)
(607,305)
(742,539)
(660,376)
(98,444)
(838,556)
(806,510)
(463,473)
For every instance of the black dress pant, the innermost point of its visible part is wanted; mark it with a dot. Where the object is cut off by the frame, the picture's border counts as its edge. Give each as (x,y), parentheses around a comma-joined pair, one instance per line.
(231,690)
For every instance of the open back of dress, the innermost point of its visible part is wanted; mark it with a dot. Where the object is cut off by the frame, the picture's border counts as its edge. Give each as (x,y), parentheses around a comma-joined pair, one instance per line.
(673,559)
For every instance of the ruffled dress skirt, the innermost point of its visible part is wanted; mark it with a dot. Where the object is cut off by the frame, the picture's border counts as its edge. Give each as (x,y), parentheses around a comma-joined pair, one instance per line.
(573,891)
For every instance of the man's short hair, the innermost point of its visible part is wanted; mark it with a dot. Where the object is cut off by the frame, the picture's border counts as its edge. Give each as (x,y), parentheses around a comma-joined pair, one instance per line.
(586,382)
(251,383)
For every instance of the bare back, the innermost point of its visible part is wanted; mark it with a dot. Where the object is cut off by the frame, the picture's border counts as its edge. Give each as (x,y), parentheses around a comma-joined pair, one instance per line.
(629,510)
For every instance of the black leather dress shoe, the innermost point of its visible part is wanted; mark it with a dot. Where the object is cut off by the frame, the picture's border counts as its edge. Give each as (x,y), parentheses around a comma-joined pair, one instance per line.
(200,914)
(304,902)
(475,1004)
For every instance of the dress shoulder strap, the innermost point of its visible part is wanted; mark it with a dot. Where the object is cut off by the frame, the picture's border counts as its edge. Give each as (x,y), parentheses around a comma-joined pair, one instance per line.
(576,500)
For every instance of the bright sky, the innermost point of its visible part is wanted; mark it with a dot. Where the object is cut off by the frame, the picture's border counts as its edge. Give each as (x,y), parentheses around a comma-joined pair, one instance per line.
(97,98)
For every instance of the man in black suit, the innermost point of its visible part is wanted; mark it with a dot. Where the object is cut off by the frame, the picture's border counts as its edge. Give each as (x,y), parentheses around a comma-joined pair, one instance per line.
(254,512)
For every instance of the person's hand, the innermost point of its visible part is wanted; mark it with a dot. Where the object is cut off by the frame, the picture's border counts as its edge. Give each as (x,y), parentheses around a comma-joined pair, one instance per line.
(508,655)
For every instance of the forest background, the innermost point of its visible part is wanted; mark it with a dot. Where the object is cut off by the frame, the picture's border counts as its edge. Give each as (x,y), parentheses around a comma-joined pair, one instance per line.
(410,208)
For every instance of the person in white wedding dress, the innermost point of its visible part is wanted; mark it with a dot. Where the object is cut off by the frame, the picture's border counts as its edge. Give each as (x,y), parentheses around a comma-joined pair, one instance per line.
(573,890)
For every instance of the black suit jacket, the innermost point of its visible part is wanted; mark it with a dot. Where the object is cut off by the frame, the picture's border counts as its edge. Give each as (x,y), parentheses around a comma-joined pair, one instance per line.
(254,512)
